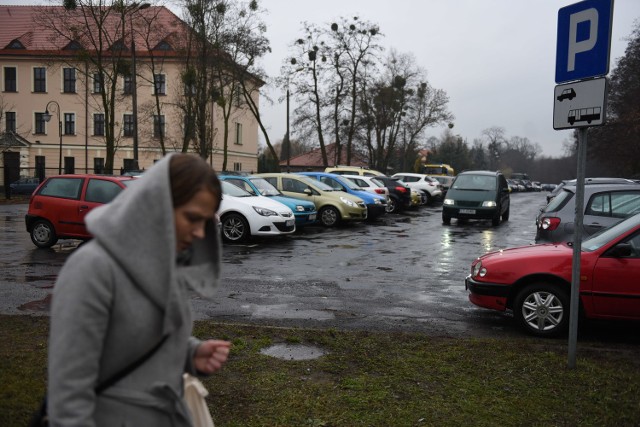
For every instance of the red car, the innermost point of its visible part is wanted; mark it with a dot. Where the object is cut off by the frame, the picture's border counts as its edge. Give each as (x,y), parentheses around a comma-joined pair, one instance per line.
(58,206)
(535,281)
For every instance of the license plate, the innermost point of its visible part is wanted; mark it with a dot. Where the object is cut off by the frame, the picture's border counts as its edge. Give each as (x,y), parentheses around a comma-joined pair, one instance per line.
(290,222)
(312,217)
(468,211)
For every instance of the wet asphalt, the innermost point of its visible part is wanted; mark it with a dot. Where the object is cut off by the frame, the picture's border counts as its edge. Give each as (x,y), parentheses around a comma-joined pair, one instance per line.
(401,272)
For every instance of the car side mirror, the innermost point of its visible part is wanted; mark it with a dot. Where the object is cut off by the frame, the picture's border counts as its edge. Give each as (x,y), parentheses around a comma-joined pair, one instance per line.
(621,250)
(307,191)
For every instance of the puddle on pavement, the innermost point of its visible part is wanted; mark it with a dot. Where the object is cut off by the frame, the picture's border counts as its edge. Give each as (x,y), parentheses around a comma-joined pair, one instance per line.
(293,351)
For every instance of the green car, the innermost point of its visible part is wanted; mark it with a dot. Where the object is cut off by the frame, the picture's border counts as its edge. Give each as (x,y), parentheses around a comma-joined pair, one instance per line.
(334,207)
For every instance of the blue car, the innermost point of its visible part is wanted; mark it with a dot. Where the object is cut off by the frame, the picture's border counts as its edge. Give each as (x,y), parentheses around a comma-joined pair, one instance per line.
(376,205)
(303,210)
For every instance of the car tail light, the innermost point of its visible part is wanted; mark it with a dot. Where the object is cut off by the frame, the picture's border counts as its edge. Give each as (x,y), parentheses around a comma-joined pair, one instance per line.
(379,190)
(550,223)
(401,189)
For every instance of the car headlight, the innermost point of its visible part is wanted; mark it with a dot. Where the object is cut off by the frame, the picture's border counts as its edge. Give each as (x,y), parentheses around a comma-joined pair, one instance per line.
(264,211)
(489,204)
(478,270)
(448,202)
(299,208)
(347,202)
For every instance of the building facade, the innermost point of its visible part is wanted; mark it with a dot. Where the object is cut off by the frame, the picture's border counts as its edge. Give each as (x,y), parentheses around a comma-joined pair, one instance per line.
(53,119)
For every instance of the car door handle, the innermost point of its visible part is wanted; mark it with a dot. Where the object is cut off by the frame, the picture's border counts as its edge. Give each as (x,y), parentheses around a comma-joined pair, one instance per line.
(84,207)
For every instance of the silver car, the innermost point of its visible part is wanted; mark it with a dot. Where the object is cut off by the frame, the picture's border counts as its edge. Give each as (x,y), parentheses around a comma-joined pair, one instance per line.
(604,205)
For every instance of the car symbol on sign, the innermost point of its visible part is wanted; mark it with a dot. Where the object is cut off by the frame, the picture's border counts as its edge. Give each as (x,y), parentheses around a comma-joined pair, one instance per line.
(567,94)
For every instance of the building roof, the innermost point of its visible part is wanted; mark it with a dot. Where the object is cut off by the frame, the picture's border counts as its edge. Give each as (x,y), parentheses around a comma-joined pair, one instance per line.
(29,29)
(314,158)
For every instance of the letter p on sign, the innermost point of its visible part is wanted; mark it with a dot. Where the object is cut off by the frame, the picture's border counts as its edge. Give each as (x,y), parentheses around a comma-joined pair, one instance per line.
(584,40)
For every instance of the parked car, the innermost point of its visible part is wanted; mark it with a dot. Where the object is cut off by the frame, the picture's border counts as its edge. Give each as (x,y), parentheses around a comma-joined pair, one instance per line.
(587,181)
(376,204)
(399,193)
(477,195)
(370,184)
(58,206)
(534,281)
(604,205)
(445,181)
(243,215)
(423,183)
(24,186)
(353,170)
(304,211)
(334,207)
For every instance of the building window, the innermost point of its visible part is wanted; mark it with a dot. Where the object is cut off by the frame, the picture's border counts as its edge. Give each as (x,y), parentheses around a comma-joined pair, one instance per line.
(98,83)
(238,133)
(10,79)
(128,125)
(98,124)
(69,84)
(39,128)
(189,127)
(160,84)
(238,97)
(39,79)
(69,123)
(237,167)
(158,126)
(128,84)
(10,120)
(190,89)
(98,165)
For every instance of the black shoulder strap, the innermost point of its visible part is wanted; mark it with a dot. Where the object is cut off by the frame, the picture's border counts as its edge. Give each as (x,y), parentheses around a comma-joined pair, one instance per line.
(132,367)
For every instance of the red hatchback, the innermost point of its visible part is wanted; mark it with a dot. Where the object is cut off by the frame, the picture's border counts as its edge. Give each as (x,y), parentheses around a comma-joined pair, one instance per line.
(535,281)
(58,206)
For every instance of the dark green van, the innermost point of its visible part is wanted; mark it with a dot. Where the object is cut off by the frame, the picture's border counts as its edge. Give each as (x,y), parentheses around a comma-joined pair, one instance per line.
(477,195)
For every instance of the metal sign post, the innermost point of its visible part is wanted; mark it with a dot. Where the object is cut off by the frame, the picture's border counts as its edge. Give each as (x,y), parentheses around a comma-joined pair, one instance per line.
(577,248)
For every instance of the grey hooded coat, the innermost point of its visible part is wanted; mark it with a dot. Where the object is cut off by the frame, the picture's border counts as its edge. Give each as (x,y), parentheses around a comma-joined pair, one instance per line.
(114,300)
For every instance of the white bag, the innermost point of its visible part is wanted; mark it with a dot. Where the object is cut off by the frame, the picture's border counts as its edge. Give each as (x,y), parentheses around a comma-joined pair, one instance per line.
(194,394)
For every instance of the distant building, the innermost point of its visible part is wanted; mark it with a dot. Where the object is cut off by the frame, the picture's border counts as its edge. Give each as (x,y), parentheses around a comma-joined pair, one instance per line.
(312,161)
(38,70)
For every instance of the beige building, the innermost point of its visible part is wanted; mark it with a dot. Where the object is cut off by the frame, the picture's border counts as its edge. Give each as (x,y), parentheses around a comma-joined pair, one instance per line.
(37,76)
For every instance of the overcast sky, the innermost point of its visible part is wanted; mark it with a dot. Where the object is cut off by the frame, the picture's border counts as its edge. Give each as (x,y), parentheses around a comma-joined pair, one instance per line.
(494,58)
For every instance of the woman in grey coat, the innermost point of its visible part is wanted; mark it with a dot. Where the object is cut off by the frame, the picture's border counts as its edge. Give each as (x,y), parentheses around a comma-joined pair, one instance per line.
(127,290)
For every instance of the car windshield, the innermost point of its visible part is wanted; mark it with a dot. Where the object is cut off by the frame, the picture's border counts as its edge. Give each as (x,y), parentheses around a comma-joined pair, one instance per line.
(350,184)
(266,189)
(475,182)
(233,190)
(605,235)
(315,183)
(377,182)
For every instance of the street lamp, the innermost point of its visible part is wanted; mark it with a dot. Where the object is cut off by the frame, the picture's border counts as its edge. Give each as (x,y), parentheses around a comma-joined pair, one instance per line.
(47,116)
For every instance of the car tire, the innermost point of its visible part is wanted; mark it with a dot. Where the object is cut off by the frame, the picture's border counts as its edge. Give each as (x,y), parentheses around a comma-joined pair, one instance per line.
(329,216)
(235,228)
(43,235)
(505,215)
(429,199)
(542,309)
(392,207)
(495,221)
(446,220)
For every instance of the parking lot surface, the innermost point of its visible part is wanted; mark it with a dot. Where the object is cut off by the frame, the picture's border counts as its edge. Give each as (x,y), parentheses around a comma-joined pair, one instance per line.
(403,272)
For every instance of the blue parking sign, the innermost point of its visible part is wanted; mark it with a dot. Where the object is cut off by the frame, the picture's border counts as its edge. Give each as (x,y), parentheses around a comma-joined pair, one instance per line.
(584,40)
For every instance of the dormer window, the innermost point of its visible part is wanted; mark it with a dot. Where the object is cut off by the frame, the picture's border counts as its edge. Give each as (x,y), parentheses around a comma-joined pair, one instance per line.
(15,44)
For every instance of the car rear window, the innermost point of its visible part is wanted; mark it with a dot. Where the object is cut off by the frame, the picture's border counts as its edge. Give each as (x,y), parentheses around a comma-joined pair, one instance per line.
(68,188)
(559,201)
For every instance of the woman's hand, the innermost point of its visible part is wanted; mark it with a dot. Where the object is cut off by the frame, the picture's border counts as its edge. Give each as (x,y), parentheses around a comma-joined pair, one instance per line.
(211,355)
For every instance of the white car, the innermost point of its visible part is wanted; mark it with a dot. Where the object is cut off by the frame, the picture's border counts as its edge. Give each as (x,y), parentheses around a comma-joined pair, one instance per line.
(444,180)
(422,182)
(243,215)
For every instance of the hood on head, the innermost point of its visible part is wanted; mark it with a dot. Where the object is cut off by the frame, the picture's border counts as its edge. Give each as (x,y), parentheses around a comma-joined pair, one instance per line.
(138,230)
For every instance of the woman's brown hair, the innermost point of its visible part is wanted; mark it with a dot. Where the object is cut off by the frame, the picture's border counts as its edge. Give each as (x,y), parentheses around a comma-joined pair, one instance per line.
(189,174)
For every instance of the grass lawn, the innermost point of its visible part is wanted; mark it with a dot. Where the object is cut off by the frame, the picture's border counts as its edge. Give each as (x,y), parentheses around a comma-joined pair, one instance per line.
(375,379)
